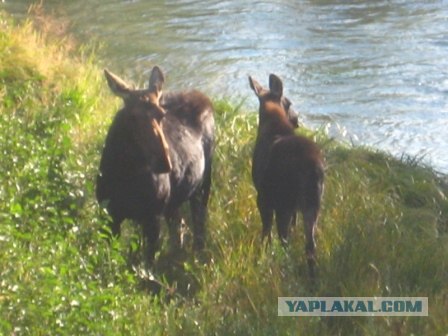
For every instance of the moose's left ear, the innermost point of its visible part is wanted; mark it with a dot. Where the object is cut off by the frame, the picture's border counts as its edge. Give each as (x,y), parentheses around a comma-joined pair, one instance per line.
(117,85)
(275,85)
(156,81)
(254,85)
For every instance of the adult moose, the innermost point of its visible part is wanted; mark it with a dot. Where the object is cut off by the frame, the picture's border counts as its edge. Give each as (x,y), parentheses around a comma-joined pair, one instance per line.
(287,169)
(157,155)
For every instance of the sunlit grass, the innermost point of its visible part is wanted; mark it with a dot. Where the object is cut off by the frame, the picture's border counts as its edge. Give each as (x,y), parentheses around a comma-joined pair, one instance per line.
(382,231)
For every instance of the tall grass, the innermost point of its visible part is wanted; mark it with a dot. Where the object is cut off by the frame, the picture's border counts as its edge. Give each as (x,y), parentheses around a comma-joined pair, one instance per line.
(382,231)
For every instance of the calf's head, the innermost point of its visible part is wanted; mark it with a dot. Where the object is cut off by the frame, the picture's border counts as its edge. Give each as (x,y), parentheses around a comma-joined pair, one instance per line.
(275,94)
(140,120)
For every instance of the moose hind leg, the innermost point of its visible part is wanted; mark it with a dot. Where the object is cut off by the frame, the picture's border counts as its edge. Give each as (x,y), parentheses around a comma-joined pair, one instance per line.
(310,221)
(174,220)
(284,218)
(198,207)
(267,215)
(114,228)
(151,232)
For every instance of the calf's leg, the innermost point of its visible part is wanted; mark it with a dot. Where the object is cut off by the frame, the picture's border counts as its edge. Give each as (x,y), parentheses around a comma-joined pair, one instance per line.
(310,217)
(284,218)
(267,215)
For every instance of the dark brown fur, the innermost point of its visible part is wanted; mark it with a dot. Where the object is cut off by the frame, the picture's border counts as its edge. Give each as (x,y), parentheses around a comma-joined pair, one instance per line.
(157,155)
(287,170)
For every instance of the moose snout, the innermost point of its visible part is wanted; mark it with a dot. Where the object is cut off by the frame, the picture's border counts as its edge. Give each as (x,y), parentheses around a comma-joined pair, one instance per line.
(294,119)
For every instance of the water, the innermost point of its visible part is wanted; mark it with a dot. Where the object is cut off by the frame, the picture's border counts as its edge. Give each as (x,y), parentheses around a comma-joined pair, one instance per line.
(374,72)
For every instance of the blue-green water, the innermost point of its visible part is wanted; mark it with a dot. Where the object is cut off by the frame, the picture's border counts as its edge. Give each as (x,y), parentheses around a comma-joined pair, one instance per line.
(374,72)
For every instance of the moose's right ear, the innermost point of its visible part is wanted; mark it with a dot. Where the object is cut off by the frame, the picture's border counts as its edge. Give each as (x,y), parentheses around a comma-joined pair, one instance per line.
(156,81)
(117,85)
(275,85)
(254,85)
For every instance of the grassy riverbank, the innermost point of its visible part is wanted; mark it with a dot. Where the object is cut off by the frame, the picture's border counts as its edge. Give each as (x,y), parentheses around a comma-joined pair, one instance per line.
(383,229)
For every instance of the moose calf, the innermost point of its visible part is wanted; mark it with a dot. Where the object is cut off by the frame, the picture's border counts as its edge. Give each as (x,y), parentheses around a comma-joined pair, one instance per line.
(287,169)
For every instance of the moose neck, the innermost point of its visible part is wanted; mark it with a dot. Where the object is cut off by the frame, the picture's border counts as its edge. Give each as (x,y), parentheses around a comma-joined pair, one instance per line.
(273,121)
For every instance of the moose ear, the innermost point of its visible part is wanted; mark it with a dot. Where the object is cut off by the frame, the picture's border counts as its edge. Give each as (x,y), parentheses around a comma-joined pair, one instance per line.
(254,85)
(275,85)
(117,85)
(156,80)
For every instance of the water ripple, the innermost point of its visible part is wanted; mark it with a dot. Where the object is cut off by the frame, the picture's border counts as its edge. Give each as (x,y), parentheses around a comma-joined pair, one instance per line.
(376,69)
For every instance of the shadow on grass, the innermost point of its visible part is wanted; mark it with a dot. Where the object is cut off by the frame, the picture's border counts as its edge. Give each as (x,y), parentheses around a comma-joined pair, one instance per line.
(173,274)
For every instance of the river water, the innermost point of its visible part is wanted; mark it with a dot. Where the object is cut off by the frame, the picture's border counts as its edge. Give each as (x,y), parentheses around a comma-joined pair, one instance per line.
(372,72)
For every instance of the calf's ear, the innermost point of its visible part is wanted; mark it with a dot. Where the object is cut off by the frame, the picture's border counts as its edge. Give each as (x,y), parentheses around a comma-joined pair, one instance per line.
(275,85)
(255,86)
(156,81)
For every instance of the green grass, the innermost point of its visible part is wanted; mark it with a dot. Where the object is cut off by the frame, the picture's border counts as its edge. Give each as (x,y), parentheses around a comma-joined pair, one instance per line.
(383,229)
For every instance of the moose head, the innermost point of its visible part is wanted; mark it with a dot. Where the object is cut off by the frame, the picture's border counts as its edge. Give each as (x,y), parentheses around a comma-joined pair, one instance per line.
(275,94)
(139,122)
